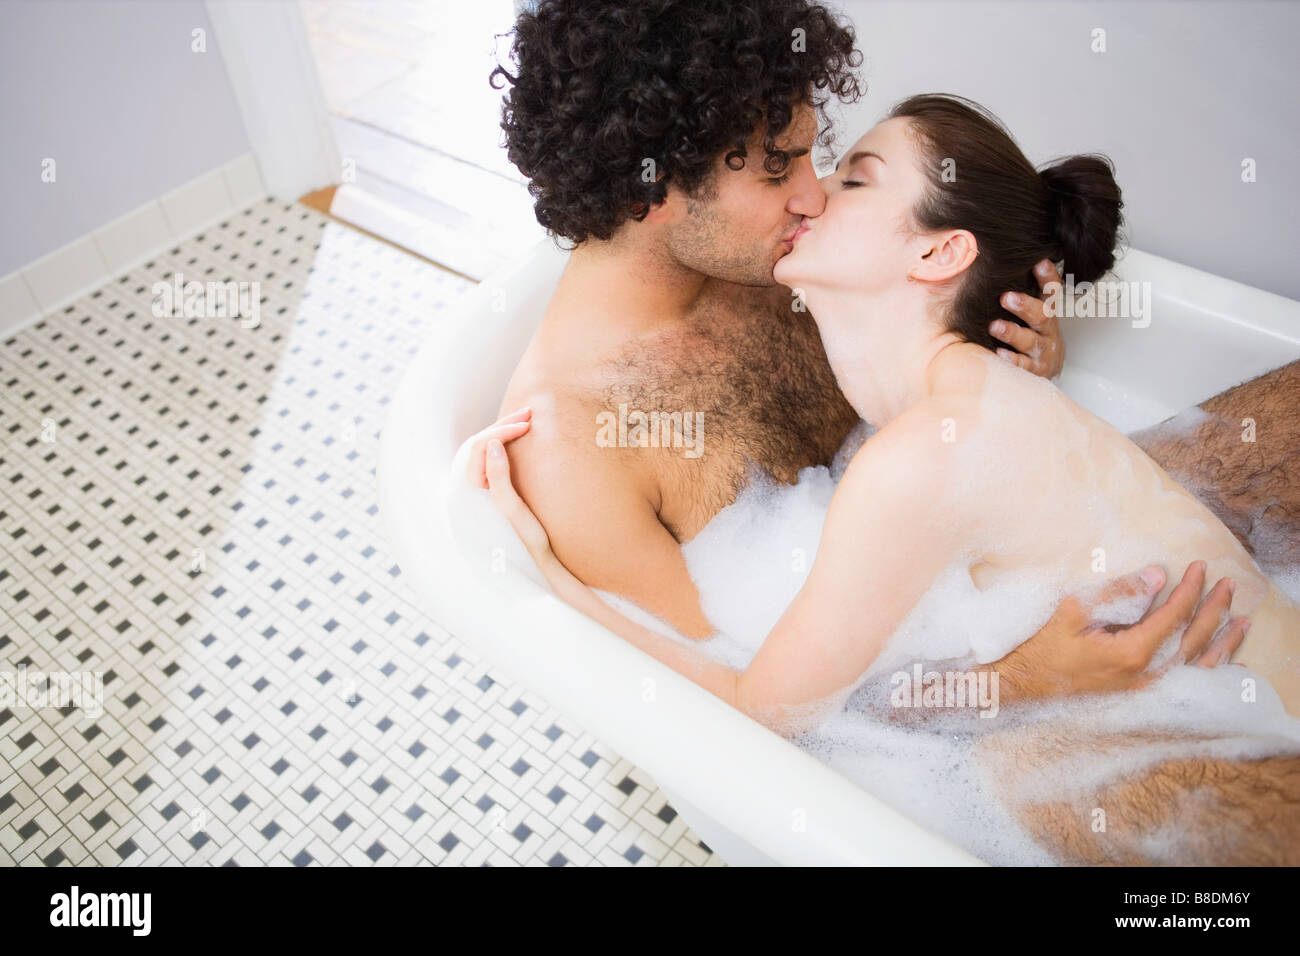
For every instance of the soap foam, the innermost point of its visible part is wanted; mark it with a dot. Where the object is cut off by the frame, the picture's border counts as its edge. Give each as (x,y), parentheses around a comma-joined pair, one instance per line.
(751,560)
(1287,579)
(1181,427)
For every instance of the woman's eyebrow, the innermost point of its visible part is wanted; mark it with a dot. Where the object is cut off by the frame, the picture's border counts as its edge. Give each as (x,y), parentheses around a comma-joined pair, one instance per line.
(859,155)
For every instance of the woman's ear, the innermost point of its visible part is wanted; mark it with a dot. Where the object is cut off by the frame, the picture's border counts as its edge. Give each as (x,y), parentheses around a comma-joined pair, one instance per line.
(948,254)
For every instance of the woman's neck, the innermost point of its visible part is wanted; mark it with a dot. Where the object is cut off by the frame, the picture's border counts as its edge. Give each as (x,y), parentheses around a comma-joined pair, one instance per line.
(882,347)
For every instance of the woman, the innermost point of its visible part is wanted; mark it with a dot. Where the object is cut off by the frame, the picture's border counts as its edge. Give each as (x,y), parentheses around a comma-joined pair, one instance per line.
(929,217)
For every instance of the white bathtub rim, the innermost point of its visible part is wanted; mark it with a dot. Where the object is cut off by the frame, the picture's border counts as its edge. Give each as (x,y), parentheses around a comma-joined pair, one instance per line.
(1253,309)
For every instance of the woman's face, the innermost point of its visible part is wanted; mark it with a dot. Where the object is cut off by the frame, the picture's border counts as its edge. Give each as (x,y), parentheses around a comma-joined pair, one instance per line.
(864,239)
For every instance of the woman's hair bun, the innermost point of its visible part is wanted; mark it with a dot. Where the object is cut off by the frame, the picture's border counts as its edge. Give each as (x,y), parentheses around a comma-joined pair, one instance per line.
(1084,204)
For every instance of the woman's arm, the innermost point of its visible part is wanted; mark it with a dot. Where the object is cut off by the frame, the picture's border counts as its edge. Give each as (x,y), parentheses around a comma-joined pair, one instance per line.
(872,566)
(716,678)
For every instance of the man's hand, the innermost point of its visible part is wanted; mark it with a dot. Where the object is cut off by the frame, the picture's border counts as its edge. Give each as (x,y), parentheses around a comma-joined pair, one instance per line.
(1039,348)
(1074,655)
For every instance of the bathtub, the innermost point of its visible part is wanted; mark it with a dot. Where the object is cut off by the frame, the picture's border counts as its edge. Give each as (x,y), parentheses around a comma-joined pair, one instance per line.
(752,796)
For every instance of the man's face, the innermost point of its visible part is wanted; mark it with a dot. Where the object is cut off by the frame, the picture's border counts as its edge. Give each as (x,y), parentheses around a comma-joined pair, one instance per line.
(741,232)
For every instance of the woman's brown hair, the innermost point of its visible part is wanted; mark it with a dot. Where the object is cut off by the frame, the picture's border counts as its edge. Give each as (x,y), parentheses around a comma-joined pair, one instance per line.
(980,181)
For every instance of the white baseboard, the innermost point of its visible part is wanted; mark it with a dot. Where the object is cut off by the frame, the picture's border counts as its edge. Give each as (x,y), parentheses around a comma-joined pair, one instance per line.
(64,275)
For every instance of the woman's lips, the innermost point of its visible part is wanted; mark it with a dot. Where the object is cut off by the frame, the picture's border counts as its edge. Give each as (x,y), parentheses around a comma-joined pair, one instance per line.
(789,243)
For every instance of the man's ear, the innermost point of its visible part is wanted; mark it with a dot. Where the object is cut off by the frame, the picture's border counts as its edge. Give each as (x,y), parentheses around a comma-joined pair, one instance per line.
(661,212)
(947,254)
(671,208)
(666,211)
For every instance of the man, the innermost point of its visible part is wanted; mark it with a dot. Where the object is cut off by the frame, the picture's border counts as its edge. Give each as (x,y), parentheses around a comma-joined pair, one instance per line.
(671,143)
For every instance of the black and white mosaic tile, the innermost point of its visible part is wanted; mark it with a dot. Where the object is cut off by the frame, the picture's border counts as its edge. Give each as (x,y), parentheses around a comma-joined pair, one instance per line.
(187,506)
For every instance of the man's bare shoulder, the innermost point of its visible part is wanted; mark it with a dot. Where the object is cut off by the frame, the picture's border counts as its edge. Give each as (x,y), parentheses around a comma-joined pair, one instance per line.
(600,508)
(561,460)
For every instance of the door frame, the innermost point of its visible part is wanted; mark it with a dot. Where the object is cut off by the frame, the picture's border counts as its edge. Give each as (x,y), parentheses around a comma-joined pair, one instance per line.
(277,87)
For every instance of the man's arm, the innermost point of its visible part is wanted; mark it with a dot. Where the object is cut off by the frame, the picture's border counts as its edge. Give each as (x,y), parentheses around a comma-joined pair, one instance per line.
(599,510)
(1037,345)
(1072,655)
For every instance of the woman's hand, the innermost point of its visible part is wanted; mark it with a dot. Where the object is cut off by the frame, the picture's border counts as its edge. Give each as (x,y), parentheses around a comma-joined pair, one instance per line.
(1039,348)
(1073,655)
(504,429)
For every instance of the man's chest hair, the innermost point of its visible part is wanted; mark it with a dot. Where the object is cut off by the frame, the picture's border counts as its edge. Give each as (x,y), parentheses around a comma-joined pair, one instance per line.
(753,371)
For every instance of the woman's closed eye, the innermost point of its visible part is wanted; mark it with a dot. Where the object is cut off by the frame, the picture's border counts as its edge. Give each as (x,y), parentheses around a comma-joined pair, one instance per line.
(851,182)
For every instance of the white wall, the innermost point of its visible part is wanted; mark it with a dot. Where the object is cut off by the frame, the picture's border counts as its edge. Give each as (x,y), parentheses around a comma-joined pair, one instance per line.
(112,92)
(1184,92)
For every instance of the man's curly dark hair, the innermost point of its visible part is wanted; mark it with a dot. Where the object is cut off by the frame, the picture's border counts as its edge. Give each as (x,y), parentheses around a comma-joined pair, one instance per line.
(602,85)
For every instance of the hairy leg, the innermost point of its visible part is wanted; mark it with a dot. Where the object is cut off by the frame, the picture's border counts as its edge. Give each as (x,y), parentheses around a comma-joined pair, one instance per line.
(1243,461)
(1173,810)
(1200,811)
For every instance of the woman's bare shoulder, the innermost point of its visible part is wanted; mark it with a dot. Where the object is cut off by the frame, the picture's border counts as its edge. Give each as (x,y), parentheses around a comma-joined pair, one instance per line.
(915,457)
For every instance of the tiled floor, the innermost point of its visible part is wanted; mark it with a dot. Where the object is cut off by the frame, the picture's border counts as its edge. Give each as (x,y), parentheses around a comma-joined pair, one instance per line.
(188,506)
